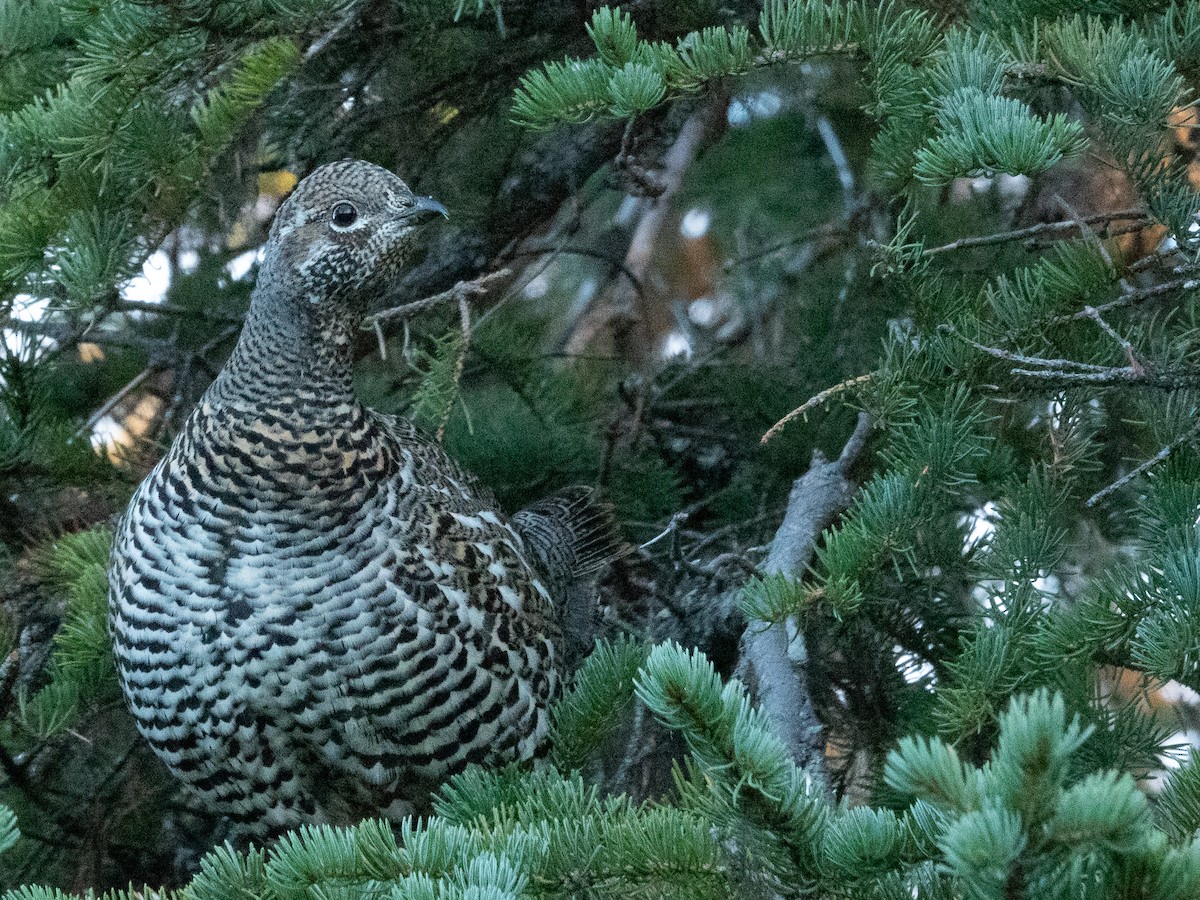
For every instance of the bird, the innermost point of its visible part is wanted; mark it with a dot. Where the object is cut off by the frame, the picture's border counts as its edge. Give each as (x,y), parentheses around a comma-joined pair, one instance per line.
(316,614)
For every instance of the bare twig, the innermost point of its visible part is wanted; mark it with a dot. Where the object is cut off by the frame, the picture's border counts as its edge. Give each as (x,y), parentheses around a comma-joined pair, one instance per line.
(1134,364)
(1073,371)
(775,57)
(1091,311)
(648,182)
(773,655)
(173,309)
(677,521)
(841,165)
(703,540)
(814,401)
(380,339)
(10,669)
(1133,298)
(1146,466)
(1188,283)
(1109,377)
(1017,234)
(67,337)
(1085,228)
(1109,231)
(328,37)
(672,526)
(116,398)
(827,230)
(462,291)
(617,264)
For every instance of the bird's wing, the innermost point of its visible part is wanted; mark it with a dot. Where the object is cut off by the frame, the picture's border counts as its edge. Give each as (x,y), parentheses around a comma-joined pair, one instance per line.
(464,525)
(430,455)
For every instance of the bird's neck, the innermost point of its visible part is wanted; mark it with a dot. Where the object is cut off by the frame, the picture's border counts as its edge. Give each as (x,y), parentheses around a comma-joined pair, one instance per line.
(293,356)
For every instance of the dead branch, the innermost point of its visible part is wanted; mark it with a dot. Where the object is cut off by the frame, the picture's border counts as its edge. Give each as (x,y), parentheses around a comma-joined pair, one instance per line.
(773,655)
(1003,237)
(461,292)
(815,401)
(1070,371)
(1146,466)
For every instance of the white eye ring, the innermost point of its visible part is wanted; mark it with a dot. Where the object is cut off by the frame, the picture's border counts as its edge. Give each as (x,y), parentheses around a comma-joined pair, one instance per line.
(343,215)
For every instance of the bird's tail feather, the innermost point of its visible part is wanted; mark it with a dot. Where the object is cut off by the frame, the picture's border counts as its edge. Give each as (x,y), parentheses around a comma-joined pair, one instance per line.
(572,533)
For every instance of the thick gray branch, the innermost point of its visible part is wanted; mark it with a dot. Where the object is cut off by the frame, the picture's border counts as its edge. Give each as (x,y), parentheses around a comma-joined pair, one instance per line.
(773,655)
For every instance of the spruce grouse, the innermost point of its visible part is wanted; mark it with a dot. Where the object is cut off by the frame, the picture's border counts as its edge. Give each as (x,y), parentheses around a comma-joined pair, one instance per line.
(316,613)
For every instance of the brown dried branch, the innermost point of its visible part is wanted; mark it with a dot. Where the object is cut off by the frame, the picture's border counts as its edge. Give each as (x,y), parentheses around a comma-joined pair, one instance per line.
(696,132)
(815,401)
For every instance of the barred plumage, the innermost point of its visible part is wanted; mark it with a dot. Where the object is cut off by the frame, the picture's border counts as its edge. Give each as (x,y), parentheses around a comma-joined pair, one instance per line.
(315,612)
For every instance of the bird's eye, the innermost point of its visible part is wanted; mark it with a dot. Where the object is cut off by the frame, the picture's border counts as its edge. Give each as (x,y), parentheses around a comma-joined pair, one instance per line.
(343,215)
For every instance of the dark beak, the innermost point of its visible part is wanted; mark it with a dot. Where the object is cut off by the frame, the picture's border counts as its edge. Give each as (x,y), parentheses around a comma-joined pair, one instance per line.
(425,208)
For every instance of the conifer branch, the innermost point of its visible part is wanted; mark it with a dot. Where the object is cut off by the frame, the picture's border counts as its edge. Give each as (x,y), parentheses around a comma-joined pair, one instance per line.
(9,832)
(111,403)
(1134,364)
(893,589)
(1133,297)
(460,363)
(1138,295)
(174,309)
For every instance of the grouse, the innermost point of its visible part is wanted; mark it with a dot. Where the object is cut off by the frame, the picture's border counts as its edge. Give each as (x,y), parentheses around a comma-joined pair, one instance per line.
(316,614)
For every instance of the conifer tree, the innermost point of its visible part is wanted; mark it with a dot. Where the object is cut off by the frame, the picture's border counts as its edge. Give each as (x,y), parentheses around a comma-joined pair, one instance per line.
(930,662)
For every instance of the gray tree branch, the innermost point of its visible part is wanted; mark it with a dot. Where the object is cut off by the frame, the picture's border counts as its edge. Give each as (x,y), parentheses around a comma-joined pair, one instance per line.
(773,655)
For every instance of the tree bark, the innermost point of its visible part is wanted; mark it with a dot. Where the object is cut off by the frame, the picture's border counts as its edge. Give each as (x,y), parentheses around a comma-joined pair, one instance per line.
(773,654)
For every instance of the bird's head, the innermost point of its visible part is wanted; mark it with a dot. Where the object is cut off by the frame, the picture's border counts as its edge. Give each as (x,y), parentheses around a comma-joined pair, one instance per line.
(344,233)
